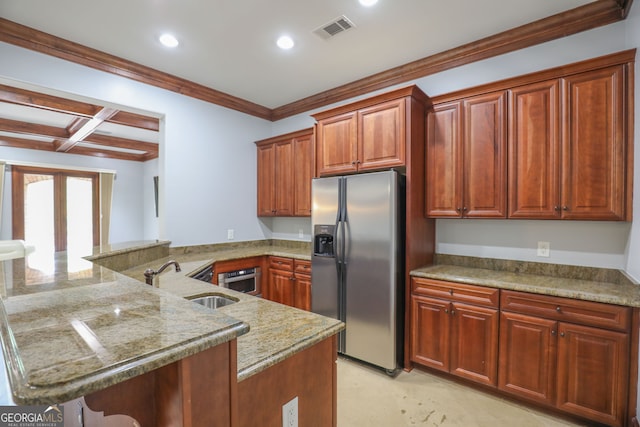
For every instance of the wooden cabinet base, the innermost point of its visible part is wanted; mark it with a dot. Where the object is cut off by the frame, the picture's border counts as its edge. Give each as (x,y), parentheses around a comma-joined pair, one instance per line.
(311,375)
(193,392)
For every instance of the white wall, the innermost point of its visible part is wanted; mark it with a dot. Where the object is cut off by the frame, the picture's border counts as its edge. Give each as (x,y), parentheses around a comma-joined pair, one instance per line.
(207,163)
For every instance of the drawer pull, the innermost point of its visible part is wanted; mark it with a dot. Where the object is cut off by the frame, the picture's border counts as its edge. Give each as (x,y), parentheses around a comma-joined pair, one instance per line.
(446,311)
(553,332)
(450,291)
(558,309)
(453,312)
(562,334)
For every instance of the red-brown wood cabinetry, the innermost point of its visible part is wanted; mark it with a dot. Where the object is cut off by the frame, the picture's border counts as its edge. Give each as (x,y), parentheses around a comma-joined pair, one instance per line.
(467,158)
(290,282)
(285,170)
(455,329)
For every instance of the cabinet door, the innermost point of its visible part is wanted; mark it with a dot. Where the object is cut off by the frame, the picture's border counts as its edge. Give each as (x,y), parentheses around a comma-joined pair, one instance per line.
(336,144)
(302,292)
(534,151)
(284,178)
(281,286)
(266,180)
(485,156)
(474,343)
(444,161)
(303,173)
(528,357)
(381,136)
(431,326)
(594,155)
(593,369)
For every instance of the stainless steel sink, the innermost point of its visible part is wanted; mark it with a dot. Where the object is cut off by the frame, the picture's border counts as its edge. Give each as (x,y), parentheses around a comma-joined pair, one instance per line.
(214,301)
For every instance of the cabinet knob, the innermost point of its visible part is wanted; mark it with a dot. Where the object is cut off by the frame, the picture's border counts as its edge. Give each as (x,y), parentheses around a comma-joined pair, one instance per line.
(556,208)
(458,209)
(558,309)
(453,312)
(464,209)
(446,311)
(450,291)
(562,334)
(565,208)
(553,332)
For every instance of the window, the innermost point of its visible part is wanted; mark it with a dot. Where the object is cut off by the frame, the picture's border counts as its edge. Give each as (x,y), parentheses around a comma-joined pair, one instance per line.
(56,210)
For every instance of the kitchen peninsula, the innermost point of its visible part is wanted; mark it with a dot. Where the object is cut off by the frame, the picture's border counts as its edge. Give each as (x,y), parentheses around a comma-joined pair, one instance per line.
(87,330)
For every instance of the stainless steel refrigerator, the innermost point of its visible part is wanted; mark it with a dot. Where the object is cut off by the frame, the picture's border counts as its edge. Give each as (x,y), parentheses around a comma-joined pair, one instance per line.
(357,262)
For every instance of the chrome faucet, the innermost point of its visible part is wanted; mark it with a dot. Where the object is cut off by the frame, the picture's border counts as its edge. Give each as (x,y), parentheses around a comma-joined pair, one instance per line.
(149,273)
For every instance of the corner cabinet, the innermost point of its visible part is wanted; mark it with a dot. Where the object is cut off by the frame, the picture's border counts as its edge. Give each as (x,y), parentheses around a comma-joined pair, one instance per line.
(367,135)
(570,354)
(568,156)
(578,357)
(285,170)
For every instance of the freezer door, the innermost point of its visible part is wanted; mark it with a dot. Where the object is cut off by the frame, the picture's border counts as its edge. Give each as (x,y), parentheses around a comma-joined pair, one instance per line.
(371,268)
(324,266)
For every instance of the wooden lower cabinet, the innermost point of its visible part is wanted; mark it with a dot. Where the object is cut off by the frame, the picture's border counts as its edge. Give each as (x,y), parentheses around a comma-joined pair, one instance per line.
(575,356)
(454,336)
(581,369)
(290,282)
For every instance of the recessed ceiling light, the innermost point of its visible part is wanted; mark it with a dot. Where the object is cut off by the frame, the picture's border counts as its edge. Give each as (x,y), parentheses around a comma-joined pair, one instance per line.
(285,42)
(368,3)
(168,40)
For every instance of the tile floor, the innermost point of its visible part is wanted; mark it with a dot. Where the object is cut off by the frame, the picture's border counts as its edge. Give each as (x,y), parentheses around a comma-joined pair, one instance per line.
(369,398)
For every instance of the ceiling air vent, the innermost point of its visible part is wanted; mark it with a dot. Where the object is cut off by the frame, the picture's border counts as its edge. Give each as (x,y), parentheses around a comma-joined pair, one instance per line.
(335,27)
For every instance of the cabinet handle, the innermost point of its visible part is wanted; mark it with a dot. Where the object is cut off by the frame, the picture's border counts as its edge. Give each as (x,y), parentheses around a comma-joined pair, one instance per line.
(458,209)
(353,163)
(453,312)
(556,208)
(565,208)
(464,209)
(450,291)
(562,334)
(446,311)
(553,332)
(558,309)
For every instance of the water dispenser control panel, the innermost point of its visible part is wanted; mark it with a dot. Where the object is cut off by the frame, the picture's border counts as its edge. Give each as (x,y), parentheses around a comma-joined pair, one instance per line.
(323,240)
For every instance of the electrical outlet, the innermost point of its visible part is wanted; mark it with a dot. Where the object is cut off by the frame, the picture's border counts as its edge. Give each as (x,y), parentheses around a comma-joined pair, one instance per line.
(543,249)
(230,234)
(290,413)
(300,233)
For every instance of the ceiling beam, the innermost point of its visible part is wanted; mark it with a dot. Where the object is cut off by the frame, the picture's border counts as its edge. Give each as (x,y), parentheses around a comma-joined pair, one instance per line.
(79,131)
(128,144)
(32,144)
(16,126)
(28,98)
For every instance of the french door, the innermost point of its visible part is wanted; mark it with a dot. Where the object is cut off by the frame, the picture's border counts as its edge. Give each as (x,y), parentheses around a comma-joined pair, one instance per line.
(56,210)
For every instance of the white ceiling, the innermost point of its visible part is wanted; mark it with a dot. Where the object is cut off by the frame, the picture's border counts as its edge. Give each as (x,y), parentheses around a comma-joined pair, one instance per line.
(229,45)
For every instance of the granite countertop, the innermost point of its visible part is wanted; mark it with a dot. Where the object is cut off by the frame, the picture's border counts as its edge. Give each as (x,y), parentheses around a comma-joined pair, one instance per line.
(599,285)
(276,331)
(70,327)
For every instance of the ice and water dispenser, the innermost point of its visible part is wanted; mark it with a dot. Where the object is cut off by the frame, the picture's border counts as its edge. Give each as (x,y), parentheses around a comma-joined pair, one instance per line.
(323,240)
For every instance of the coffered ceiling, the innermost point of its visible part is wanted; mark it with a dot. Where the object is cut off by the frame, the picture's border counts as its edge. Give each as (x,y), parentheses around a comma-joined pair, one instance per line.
(227,53)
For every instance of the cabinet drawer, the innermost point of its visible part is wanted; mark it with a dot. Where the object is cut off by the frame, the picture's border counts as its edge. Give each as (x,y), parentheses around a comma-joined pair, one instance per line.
(302,266)
(281,263)
(568,310)
(478,295)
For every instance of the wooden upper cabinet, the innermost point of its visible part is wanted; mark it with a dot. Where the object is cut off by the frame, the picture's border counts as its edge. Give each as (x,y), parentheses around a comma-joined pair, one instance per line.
(337,148)
(534,151)
(368,135)
(444,160)
(285,170)
(381,140)
(467,158)
(303,173)
(485,156)
(594,151)
(266,180)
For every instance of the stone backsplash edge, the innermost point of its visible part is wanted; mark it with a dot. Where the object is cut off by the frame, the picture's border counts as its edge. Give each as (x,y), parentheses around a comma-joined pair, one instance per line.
(538,268)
